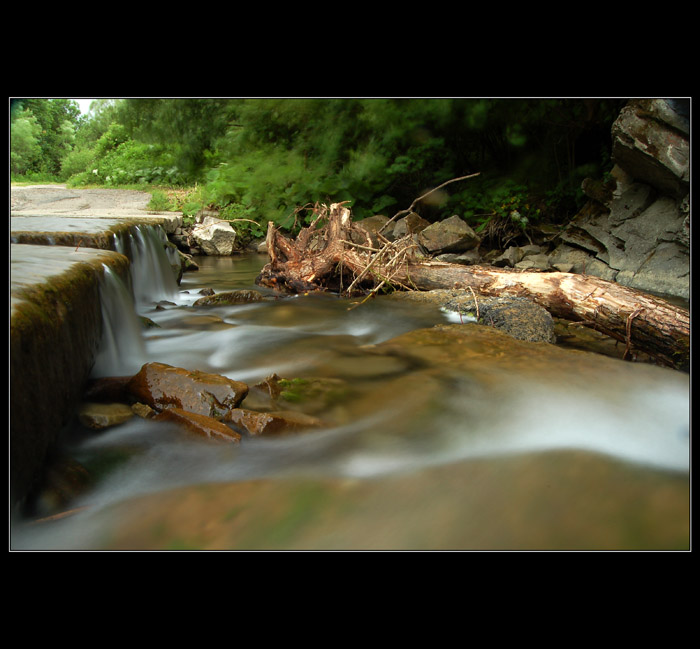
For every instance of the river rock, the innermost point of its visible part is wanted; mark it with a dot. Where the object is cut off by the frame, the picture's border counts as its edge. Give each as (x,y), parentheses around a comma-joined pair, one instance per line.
(229,297)
(451,235)
(511,256)
(162,386)
(411,224)
(534,262)
(373,224)
(143,411)
(468,258)
(271,423)
(214,236)
(103,415)
(200,424)
(517,316)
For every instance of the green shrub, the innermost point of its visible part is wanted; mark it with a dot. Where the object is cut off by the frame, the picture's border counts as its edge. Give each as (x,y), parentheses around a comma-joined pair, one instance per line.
(159,202)
(77,162)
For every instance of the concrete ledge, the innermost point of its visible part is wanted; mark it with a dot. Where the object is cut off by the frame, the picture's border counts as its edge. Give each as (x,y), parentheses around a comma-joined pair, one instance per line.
(25,223)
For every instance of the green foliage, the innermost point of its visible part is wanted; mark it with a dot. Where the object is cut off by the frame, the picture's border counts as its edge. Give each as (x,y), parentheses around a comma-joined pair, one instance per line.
(76,162)
(159,202)
(25,150)
(261,160)
(487,200)
(57,121)
(130,162)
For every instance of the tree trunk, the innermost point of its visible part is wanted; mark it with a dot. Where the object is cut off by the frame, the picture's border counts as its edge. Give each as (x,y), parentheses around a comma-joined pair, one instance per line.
(330,258)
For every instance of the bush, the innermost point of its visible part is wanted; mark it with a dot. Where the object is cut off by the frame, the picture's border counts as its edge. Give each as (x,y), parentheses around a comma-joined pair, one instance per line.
(133,162)
(77,162)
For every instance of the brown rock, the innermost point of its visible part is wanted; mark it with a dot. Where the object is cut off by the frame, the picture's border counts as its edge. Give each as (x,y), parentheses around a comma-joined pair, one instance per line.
(200,424)
(103,415)
(162,386)
(143,411)
(271,423)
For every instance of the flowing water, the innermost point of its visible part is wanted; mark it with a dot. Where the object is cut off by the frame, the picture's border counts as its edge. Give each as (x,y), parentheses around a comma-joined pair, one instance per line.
(428,444)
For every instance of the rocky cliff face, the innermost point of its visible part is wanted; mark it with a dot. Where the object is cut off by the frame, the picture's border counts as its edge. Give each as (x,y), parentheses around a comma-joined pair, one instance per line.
(635,229)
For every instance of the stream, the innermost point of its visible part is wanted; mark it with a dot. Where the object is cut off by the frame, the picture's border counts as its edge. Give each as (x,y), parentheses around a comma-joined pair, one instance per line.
(428,446)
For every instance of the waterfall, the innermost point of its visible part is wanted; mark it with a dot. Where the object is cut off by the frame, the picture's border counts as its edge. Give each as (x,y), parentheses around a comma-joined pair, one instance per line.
(151,270)
(122,350)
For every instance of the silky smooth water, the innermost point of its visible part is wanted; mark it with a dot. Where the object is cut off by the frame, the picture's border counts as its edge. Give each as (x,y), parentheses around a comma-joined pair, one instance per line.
(401,414)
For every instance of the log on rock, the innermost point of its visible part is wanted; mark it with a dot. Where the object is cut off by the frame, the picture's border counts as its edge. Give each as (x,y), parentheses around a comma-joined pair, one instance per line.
(641,321)
(335,254)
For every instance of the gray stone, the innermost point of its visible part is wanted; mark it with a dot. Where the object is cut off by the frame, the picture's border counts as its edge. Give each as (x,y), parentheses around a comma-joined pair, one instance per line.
(451,235)
(410,224)
(534,262)
(468,258)
(510,257)
(620,243)
(651,149)
(214,236)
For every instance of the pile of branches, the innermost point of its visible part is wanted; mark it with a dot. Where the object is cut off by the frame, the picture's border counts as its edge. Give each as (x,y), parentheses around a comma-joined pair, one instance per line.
(335,254)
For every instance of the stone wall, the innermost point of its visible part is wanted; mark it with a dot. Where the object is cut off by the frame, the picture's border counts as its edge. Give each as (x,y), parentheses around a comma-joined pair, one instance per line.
(635,230)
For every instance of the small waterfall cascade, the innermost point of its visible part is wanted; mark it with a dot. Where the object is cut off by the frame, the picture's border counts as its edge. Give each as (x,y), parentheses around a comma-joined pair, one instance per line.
(151,268)
(122,350)
(151,279)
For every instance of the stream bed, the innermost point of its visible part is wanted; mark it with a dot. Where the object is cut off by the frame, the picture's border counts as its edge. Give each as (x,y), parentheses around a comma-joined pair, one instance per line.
(449,438)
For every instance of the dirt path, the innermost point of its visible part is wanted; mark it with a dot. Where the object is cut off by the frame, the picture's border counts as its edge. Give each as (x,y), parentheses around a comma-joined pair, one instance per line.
(50,200)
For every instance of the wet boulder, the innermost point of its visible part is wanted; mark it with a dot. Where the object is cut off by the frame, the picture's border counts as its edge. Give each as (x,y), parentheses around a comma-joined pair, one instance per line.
(162,386)
(517,316)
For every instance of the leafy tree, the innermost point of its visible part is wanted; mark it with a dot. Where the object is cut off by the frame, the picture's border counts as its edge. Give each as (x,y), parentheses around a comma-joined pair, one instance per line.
(188,127)
(25,150)
(57,119)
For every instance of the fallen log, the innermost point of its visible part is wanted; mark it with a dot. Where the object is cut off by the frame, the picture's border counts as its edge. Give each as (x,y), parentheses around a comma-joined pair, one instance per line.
(327,256)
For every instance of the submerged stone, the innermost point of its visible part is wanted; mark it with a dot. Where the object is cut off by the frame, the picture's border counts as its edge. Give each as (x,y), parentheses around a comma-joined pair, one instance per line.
(271,423)
(162,386)
(516,316)
(229,297)
(103,415)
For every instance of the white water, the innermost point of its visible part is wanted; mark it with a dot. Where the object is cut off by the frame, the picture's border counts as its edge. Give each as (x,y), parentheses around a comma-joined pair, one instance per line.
(122,349)
(151,274)
(643,418)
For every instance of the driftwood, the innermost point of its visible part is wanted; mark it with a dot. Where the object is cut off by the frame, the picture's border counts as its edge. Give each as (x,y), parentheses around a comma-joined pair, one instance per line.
(334,254)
